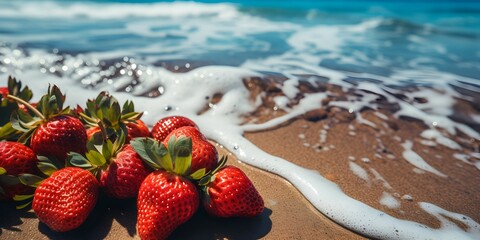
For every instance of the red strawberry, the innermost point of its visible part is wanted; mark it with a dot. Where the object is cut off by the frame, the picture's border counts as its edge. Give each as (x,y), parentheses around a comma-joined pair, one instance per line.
(65,199)
(166,197)
(15,159)
(4,92)
(119,168)
(59,136)
(137,129)
(231,194)
(52,132)
(204,154)
(91,131)
(165,126)
(165,201)
(124,174)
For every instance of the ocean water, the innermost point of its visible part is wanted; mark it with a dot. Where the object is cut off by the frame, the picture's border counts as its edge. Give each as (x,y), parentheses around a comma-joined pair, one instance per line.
(174,57)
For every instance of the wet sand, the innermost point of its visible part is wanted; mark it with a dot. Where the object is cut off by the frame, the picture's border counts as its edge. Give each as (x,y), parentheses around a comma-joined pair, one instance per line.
(332,143)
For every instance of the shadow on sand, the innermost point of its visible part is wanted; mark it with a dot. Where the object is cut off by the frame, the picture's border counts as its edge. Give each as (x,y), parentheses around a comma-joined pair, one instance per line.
(99,224)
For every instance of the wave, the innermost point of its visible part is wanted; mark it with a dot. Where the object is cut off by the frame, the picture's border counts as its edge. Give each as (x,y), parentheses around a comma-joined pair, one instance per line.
(103,11)
(402,26)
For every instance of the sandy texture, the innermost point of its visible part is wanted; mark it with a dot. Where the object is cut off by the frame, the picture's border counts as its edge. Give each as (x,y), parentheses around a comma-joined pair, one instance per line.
(330,144)
(287,216)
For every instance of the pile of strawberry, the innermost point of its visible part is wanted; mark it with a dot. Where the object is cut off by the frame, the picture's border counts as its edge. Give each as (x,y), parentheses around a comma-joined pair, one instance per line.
(57,160)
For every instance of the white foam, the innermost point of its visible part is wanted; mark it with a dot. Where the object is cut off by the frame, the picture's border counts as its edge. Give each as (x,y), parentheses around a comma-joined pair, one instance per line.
(462,157)
(358,171)
(389,201)
(439,138)
(380,178)
(416,160)
(448,226)
(326,196)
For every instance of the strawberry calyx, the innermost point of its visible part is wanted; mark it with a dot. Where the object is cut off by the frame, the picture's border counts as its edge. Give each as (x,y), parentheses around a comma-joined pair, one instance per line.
(49,106)
(175,157)
(209,177)
(106,109)
(100,152)
(8,106)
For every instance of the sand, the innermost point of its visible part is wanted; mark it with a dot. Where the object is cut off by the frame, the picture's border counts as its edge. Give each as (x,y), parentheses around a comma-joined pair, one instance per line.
(332,143)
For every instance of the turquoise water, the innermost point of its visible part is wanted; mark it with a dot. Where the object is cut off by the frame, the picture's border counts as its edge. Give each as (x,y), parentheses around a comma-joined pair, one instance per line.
(382,38)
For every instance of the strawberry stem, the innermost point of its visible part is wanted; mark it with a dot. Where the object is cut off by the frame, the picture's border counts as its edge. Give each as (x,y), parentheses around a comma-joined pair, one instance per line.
(28,105)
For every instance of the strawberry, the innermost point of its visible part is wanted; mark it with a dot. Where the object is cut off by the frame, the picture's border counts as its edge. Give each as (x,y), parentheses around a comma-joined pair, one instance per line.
(166,125)
(15,159)
(58,136)
(65,199)
(136,129)
(167,198)
(119,168)
(204,154)
(4,92)
(230,193)
(165,201)
(124,175)
(105,109)
(52,132)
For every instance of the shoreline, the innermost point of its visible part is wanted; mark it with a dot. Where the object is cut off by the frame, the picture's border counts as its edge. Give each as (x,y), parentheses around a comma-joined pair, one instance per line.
(367,152)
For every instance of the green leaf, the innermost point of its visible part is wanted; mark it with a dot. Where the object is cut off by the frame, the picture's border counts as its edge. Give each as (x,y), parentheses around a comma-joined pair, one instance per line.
(144,147)
(17,122)
(19,207)
(59,98)
(96,158)
(128,107)
(140,145)
(132,116)
(26,136)
(206,180)
(107,149)
(182,164)
(22,197)
(47,168)
(78,160)
(120,136)
(51,160)
(7,132)
(198,174)
(9,180)
(26,94)
(166,160)
(171,147)
(183,155)
(66,111)
(2,171)
(90,110)
(30,180)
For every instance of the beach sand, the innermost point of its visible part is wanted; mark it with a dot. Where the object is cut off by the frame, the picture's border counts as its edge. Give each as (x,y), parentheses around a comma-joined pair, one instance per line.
(365,161)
